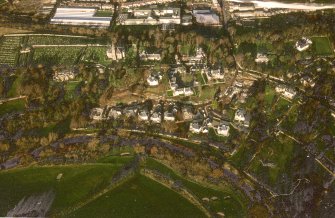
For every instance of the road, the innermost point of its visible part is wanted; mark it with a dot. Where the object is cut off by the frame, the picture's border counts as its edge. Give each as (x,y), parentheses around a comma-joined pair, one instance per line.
(293,6)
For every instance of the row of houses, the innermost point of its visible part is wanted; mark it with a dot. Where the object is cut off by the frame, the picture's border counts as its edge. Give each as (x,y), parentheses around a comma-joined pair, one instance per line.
(160,112)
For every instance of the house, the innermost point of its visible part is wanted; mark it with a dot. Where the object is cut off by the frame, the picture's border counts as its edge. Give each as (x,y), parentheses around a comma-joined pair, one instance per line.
(63,75)
(215,74)
(195,127)
(289,93)
(188,91)
(168,116)
(197,58)
(187,113)
(144,56)
(307,81)
(261,58)
(170,111)
(143,115)
(130,111)
(114,113)
(183,91)
(286,91)
(156,117)
(240,115)
(154,79)
(303,44)
(115,53)
(223,129)
(97,113)
(186,20)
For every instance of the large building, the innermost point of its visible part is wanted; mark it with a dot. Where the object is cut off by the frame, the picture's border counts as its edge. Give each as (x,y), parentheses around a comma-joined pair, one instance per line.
(151,17)
(79,17)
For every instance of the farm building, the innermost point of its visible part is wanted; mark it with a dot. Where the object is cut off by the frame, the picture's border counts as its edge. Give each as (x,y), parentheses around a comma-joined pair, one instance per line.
(79,17)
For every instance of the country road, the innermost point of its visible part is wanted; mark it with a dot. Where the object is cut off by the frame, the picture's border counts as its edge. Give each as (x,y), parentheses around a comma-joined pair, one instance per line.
(280,5)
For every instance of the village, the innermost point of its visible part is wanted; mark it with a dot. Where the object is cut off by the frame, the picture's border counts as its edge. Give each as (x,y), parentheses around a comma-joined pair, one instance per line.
(224,108)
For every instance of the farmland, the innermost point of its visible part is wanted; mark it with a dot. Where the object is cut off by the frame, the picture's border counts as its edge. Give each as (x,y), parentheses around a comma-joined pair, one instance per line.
(52,50)
(9,50)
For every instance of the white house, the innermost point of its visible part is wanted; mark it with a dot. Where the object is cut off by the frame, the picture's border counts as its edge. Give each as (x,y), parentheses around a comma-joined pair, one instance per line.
(114,113)
(303,44)
(289,93)
(168,116)
(195,127)
(240,115)
(261,58)
(143,115)
(96,113)
(156,117)
(153,79)
(223,129)
(216,74)
(286,91)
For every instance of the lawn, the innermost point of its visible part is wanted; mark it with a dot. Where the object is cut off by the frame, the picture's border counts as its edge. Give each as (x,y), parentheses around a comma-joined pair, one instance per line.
(12,106)
(78,183)
(103,13)
(322,46)
(139,197)
(232,206)
(70,88)
(14,89)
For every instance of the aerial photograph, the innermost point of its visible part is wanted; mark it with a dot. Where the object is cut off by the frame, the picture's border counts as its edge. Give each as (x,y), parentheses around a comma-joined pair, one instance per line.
(167,108)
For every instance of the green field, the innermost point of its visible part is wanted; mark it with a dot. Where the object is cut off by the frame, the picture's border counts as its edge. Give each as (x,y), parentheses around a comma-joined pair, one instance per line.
(56,55)
(230,202)
(322,46)
(139,197)
(104,13)
(12,106)
(78,184)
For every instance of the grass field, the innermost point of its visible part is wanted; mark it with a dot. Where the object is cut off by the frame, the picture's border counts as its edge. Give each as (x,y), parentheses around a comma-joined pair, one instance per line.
(322,46)
(229,201)
(12,106)
(139,197)
(78,183)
